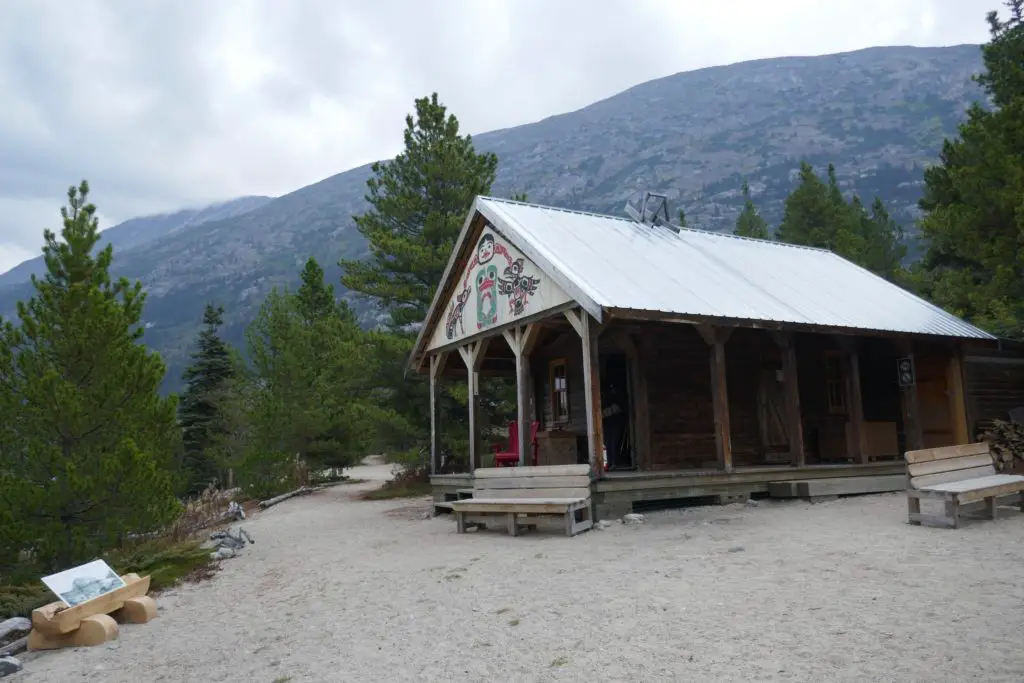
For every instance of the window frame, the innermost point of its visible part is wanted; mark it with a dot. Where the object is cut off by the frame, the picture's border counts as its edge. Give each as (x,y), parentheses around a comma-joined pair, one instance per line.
(559,417)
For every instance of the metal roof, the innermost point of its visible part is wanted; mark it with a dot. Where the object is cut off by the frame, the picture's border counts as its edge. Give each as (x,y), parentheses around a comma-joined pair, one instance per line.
(617,263)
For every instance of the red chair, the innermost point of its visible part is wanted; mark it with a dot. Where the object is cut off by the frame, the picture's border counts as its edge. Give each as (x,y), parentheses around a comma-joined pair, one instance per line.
(510,457)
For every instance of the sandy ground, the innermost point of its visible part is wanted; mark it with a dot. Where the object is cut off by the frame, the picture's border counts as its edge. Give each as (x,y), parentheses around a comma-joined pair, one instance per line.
(337,589)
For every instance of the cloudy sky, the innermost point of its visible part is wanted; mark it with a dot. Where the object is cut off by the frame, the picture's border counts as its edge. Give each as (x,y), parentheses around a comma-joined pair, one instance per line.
(171,103)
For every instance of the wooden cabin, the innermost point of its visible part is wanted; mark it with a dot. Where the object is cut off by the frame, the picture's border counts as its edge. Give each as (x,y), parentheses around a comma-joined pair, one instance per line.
(685,364)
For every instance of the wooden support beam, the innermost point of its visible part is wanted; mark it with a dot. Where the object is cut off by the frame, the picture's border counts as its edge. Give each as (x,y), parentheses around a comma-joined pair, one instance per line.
(856,446)
(521,341)
(716,338)
(791,389)
(584,326)
(912,434)
(957,399)
(437,362)
(473,356)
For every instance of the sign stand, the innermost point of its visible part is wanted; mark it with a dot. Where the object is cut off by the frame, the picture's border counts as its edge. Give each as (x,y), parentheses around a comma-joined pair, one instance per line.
(92,622)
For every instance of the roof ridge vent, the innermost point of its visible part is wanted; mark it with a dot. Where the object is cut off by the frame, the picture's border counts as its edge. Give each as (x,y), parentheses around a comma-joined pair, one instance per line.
(653,211)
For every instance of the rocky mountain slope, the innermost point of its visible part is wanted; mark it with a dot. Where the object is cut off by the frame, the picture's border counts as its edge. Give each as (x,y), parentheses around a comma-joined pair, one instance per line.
(136,232)
(879,115)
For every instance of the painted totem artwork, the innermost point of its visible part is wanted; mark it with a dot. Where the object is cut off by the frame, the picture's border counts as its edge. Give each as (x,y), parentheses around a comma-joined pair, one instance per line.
(512,283)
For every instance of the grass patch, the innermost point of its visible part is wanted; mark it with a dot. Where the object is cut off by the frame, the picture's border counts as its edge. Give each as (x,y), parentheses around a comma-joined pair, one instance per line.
(167,564)
(513,622)
(559,661)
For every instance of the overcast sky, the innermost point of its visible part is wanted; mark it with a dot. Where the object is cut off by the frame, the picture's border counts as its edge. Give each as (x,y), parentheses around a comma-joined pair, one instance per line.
(167,104)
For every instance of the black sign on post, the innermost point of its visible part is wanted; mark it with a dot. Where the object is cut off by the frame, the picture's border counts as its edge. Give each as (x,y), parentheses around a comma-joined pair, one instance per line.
(905,371)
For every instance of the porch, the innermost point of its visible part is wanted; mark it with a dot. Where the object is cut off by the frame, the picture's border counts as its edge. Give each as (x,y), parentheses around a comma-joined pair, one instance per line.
(668,410)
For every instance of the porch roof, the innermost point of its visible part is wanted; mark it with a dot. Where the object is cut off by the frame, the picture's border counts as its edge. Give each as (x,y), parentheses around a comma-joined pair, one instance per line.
(618,264)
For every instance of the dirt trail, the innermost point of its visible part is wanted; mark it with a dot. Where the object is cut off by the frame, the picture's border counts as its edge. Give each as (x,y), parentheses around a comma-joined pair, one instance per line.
(337,589)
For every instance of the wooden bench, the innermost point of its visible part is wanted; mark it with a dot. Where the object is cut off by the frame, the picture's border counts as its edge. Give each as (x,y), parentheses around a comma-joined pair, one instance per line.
(956,475)
(518,495)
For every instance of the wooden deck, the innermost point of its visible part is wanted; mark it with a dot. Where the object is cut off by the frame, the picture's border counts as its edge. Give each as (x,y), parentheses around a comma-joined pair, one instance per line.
(616,492)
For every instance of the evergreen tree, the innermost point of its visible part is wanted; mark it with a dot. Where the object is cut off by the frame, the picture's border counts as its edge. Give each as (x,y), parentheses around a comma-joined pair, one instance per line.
(809,217)
(682,218)
(312,392)
(974,217)
(817,215)
(200,412)
(418,202)
(89,441)
(749,223)
(315,298)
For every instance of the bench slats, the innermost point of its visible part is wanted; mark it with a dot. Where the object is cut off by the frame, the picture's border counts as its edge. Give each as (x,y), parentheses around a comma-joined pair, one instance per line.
(568,492)
(979,484)
(930,480)
(946,452)
(537,471)
(949,464)
(557,482)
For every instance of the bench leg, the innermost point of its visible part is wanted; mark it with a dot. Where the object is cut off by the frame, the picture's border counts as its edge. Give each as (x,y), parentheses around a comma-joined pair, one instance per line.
(513,527)
(953,512)
(913,509)
(991,507)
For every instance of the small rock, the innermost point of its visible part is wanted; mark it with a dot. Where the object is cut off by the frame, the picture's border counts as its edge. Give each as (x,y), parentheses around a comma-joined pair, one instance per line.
(223,553)
(9,665)
(427,515)
(633,518)
(737,549)
(751,503)
(603,524)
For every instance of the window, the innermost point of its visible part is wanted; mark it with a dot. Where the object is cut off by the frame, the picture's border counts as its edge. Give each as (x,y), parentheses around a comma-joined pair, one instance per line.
(559,382)
(835,383)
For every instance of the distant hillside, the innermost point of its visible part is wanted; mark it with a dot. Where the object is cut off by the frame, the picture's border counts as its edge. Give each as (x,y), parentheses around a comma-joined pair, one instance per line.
(138,231)
(879,115)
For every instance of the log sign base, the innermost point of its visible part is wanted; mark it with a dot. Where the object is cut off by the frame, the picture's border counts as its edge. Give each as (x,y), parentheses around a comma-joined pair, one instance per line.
(93,622)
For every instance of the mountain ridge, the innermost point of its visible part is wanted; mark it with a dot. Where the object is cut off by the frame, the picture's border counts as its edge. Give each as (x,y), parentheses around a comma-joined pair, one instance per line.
(878,114)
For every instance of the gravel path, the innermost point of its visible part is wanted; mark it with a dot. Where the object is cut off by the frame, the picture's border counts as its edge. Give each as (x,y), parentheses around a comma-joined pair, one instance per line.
(342,590)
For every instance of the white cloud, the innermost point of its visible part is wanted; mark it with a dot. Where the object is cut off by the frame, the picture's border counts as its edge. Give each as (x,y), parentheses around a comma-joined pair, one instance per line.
(167,103)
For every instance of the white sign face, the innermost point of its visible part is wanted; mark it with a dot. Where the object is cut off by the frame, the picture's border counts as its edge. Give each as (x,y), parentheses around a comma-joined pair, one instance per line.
(84,582)
(497,286)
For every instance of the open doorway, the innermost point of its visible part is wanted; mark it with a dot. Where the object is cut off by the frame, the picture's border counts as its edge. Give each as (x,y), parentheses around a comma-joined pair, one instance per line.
(616,411)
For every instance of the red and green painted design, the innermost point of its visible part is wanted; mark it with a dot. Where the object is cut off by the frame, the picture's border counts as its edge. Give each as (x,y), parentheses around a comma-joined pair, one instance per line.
(516,286)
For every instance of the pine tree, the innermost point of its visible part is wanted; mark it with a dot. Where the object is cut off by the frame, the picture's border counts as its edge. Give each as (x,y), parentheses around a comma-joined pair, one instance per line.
(418,202)
(974,217)
(817,215)
(315,298)
(682,218)
(200,412)
(809,218)
(89,440)
(750,223)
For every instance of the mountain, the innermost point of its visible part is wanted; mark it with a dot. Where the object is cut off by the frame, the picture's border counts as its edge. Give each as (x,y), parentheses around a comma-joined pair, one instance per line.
(880,115)
(138,231)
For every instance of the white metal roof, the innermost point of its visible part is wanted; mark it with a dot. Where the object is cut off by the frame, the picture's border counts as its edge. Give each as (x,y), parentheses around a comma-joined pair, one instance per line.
(618,263)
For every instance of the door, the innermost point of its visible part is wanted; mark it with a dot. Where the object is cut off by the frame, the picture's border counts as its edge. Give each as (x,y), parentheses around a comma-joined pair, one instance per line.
(616,411)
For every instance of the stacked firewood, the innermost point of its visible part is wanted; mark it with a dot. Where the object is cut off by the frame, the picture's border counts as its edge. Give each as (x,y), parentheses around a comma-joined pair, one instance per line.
(1006,442)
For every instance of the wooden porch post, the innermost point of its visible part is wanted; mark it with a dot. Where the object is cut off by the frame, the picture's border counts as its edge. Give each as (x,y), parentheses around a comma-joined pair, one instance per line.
(957,399)
(791,389)
(913,437)
(437,362)
(473,356)
(716,337)
(856,445)
(581,322)
(521,340)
